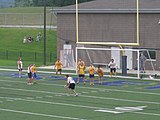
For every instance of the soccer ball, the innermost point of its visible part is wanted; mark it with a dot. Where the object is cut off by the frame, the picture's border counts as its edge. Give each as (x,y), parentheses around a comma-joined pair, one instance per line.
(65,86)
(150,77)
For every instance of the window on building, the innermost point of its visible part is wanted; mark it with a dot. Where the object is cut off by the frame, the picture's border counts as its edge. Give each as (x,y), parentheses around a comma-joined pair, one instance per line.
(149,54)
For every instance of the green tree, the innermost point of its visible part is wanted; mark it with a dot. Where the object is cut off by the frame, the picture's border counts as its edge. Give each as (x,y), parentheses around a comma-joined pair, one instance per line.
(55,3)
(23,3)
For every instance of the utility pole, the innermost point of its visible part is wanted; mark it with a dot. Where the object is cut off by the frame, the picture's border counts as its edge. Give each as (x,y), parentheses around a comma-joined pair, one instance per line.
(44,32)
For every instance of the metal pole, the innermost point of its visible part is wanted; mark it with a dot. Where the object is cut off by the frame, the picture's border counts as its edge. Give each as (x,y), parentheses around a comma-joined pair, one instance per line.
(76,59)
(138,71)
(44,32)
(77,22)
(137,14)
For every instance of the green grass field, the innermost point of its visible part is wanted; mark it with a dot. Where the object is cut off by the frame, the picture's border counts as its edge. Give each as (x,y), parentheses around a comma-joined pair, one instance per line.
(116,99)
(12,42)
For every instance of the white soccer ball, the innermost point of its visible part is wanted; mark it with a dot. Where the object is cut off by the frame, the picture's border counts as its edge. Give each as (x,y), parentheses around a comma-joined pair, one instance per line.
(150,77)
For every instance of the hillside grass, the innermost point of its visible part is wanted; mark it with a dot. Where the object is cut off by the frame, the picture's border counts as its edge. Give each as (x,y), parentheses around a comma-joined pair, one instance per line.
(12,42)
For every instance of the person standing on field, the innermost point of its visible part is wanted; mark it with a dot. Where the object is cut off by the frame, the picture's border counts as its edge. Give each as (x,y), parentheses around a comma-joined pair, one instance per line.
(81,73)
(34,73)
(91,71)
(79,62)
(142,62)
(70,85)
(112,66)
(100,74)
(58,66)
(20,67)
(29,71)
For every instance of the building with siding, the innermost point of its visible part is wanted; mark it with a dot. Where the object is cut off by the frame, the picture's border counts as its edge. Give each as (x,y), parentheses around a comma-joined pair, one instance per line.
(112,21)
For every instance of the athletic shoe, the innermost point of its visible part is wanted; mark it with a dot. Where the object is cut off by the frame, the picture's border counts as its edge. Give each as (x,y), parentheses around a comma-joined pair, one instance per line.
(29,83)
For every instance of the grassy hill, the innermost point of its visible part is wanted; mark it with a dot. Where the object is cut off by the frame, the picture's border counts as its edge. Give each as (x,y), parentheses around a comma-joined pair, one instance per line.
(12,46)
(11,41)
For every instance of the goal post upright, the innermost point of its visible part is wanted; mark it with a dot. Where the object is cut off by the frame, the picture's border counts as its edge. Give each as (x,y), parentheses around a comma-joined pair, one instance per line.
(78,42)
(137,20)
(108,43)
(77,22)
(76,54)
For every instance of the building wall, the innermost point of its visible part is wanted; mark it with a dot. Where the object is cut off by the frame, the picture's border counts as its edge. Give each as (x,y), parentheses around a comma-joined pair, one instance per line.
(109,28)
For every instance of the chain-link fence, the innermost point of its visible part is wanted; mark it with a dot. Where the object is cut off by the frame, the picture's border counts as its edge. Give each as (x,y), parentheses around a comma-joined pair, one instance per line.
(33,57)
(24,19)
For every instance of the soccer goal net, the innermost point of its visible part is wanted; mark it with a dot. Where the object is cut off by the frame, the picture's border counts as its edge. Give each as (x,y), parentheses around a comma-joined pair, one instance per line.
(135,67)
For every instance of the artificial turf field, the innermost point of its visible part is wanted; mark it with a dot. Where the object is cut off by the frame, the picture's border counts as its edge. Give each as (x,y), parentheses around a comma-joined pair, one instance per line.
(116,99)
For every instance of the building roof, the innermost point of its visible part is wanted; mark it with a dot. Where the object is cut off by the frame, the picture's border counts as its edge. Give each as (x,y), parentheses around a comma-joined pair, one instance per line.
(113,6)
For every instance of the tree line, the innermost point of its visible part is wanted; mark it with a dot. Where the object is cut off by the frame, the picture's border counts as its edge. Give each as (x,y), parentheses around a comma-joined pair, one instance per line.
(51,3)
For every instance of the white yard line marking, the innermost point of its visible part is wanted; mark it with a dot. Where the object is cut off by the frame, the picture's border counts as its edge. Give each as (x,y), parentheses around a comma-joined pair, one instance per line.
(95,97)
(10,100)
(109,111)
(93,91)
(88,107)
(130,108)
(49,96)
(39,97)
(53,103)
(143,113)
(30,98)
(123,100)
(85,92)
(40,114)
(119,110)
(58,95)
(91,88)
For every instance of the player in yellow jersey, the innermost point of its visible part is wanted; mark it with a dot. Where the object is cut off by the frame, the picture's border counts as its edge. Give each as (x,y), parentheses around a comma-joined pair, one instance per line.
(81,72)
(80,61)
(34,71)
(100,74)
(91,71)
(58,66)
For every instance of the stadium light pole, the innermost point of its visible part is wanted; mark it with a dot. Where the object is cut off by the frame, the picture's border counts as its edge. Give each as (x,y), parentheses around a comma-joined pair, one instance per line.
(44,32)
(77,36)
